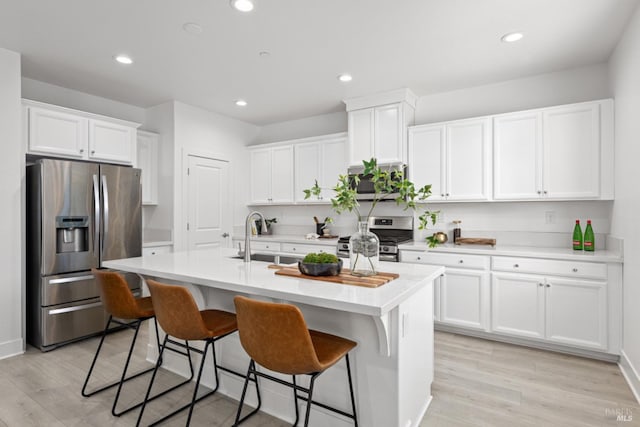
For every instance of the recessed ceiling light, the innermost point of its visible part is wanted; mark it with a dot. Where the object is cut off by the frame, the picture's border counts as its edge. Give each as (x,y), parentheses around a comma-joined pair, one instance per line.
(511,37)
(345,78)
(242,5)
(124,59)
(192,28)
(241,103)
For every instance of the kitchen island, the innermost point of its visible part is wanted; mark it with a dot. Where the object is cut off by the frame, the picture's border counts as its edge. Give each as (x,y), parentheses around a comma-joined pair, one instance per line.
(392,324)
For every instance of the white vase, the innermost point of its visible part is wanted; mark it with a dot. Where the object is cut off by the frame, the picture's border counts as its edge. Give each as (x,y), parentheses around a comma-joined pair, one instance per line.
(364,251)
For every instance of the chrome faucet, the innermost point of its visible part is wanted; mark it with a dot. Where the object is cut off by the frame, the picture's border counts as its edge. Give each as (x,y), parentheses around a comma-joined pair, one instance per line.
(247,234)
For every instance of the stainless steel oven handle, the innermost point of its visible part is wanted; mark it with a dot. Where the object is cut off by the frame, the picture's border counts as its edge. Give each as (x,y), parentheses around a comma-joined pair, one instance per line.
(96,213)
(75,308)
(71,279)
(105,195)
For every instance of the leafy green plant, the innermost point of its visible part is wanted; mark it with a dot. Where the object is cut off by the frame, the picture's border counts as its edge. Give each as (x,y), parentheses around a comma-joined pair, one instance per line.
(385,183)
(320,258)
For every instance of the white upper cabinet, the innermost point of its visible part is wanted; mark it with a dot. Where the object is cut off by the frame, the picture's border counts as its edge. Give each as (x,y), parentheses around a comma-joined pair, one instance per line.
(272,175)
(378,126)
(558,153)
(111,142)
(453,157)
(147,161)
(322,160)
(62,132)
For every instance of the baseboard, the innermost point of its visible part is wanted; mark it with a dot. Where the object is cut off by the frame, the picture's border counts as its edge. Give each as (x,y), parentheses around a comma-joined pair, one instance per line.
(423,412)
(630,374)
(11,348)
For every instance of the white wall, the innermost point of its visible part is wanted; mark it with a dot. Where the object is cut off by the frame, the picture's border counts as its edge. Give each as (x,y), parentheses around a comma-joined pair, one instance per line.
(310,126)
(12,174)
(160,119)
(544,90)
(220,137)
(625,83)
(58,95)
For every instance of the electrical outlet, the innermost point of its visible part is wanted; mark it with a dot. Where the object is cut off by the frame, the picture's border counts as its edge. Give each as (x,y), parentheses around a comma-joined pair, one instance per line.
(550,217)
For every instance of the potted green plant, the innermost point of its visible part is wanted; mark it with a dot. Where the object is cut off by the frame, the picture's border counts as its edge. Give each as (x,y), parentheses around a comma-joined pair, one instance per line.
(364,245)
(321,264)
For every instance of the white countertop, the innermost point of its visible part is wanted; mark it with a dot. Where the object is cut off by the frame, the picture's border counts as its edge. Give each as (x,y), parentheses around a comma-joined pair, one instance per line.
(522,251)
(218,269)
(290,238)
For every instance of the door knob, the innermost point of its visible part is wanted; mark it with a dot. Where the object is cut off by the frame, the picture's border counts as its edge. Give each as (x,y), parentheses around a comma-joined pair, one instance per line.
(225,234)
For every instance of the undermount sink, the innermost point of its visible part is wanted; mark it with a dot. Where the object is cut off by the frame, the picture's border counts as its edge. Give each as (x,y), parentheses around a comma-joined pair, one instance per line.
(276,259)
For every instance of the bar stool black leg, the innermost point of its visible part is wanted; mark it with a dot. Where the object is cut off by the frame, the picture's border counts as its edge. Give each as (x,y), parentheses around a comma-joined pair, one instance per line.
(310,394)
(251,370)
(195,390)
(153,377)
(295,400)
(353,400)
(93,363)
(124,374)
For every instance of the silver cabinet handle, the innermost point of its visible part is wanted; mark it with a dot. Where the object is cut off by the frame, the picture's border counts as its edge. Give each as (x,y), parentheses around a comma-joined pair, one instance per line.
(81,150)
(548,285)
(448,194)
(225,234)
(441,194)
(575,270)
(540,284)
(76,308)
(419,258)
(461,262)
(545,191)
(93,152)
(515,266)
(539,192)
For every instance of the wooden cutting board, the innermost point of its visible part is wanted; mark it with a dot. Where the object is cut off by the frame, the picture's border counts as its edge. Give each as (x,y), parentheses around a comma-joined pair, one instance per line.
(345,277)
(475,241)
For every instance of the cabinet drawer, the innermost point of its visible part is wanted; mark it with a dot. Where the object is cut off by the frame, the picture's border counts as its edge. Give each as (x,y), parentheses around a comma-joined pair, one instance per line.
(448,260)
(554,267)
(265,246)
(302,248)
(155,250)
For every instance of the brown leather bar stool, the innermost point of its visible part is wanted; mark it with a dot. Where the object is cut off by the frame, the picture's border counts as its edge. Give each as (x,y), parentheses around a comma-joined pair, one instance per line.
(276,337)
(180,318)
(126,310)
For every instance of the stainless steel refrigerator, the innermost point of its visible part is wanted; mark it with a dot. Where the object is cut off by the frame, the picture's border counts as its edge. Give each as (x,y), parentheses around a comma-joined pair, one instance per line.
(79,214)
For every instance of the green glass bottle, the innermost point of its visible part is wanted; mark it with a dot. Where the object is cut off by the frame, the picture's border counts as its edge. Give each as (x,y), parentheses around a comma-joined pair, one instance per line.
(589,238)
(577,236)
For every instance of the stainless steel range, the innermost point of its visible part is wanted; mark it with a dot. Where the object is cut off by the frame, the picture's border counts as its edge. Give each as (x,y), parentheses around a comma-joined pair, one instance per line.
(391,230)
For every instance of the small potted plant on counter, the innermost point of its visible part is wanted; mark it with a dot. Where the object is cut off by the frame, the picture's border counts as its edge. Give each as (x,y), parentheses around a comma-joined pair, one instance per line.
(322,264)
(388,184)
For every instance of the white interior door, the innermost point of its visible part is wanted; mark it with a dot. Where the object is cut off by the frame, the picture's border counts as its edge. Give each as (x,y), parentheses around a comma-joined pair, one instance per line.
(209,216)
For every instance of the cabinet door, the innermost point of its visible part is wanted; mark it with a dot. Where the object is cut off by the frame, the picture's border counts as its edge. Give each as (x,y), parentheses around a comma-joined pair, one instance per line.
(464,298)
(111,142)
(517,304)
(282,174)
(572,151)
(577,312)
(388,137)
(333,163)
(54,132)
(467,166)
(147,161)
(361,129)
(307,167)
(260,175)
(517,156)
(427,158)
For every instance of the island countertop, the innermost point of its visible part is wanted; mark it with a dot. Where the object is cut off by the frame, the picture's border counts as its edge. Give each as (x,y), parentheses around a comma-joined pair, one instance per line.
(217,268)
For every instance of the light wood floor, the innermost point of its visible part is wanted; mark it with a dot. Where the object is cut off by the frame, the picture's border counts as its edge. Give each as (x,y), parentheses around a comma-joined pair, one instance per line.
(477,383)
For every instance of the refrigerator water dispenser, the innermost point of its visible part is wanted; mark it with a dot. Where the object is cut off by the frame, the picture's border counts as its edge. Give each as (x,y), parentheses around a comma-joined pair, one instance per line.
(72,234)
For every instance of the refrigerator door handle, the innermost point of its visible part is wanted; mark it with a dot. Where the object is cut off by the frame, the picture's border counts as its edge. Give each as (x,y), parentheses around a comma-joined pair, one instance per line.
(105,206)
(74,308)
(96,207)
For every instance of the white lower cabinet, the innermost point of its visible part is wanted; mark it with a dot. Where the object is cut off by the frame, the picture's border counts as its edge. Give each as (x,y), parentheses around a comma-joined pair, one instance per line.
(303,248)
(461,294)
(156,250)
(464,298)
(566,303)
(564,311)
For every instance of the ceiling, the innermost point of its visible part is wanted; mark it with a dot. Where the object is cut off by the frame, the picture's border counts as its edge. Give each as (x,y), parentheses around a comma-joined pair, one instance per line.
(427,45)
